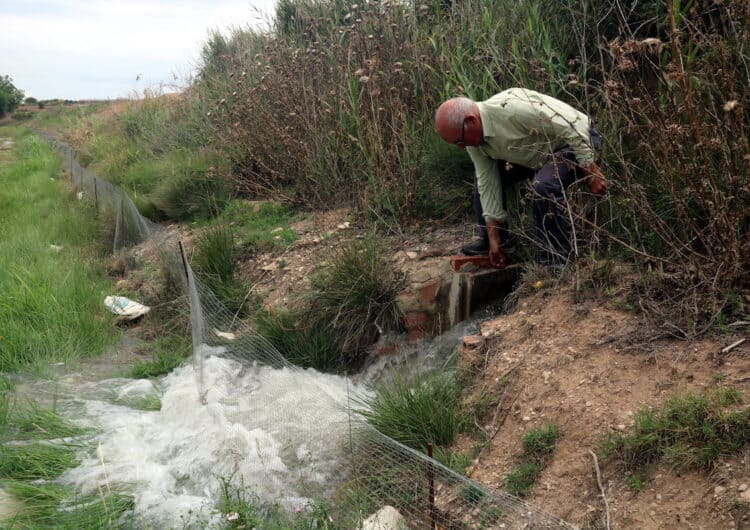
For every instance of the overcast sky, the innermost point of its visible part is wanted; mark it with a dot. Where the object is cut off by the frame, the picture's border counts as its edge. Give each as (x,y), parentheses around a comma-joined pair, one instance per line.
(82,49)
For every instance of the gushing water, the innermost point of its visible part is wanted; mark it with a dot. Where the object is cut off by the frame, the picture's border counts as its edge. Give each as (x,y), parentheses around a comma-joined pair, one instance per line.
(279,433)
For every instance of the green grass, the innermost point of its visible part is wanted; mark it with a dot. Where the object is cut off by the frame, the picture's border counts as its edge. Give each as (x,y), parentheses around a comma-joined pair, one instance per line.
(303,343)
(351,298)
(356,294)
(35,461)
(60,116)
(689,431)
(419,410)
(23,429)
(31,421)
(191,189)
(167,172)
(258,226)
(215,261)
(538,445)
(52,506)
(242,509)
(150,402)
(168,352)
(51,308)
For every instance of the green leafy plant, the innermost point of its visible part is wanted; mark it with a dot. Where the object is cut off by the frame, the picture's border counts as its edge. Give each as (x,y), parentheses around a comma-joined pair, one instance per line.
(538,445)
(689,430)
(10,96)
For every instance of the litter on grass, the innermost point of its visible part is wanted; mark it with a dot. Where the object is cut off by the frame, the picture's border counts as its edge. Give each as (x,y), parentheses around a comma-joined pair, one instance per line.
(125,308)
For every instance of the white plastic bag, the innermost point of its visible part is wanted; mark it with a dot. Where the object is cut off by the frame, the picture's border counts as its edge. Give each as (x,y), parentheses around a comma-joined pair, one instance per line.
(125,308)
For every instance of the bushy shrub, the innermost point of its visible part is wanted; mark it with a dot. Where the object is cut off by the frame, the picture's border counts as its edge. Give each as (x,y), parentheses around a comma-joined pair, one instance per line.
(418,410)
(215,262)
(356,294)
(351,301)
(305,343)
(195,190)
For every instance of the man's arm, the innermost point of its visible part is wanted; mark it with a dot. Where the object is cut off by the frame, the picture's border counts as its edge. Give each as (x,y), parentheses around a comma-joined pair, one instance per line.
(490,195)
(584,152)
(488,184)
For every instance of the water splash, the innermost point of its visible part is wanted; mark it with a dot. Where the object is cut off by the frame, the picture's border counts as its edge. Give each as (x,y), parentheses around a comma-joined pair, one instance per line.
(260,426)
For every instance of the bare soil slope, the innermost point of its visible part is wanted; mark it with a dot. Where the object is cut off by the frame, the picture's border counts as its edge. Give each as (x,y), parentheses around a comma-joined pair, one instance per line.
(588,368)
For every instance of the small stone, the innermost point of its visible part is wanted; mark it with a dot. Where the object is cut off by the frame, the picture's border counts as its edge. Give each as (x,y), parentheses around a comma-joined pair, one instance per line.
(745,495)
(658,497)
(742,487)
(343,226)
(473,342)
(546,375)
(526,418)
(718,490)
(589,403)
(620,427)
(412,255)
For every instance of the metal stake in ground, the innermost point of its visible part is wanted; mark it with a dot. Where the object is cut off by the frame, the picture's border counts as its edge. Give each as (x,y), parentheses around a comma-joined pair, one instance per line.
(184,263)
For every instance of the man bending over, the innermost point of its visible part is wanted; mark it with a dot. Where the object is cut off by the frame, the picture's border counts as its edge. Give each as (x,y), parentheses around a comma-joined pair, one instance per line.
(521,134)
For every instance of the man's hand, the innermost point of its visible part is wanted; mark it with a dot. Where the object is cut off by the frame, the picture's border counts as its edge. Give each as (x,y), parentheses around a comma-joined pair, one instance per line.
(595,179)
(497,256)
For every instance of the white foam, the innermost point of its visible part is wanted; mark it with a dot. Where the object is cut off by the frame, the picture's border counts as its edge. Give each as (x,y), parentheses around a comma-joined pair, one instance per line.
(277,431)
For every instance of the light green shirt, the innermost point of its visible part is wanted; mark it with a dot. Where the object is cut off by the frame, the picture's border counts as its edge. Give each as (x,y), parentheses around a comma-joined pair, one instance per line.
(524,128)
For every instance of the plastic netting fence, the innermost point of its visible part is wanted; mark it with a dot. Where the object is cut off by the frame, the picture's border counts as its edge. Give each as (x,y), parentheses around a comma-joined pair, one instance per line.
(342,459)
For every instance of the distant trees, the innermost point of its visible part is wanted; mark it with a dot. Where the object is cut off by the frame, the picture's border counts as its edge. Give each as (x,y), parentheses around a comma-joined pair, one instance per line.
(10,96)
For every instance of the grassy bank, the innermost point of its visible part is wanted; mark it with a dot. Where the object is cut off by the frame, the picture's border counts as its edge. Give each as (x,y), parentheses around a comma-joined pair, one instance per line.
(51,270)
(51,277)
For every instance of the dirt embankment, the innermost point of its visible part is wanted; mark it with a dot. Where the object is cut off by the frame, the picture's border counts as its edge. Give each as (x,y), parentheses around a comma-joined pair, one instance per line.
(588,368)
